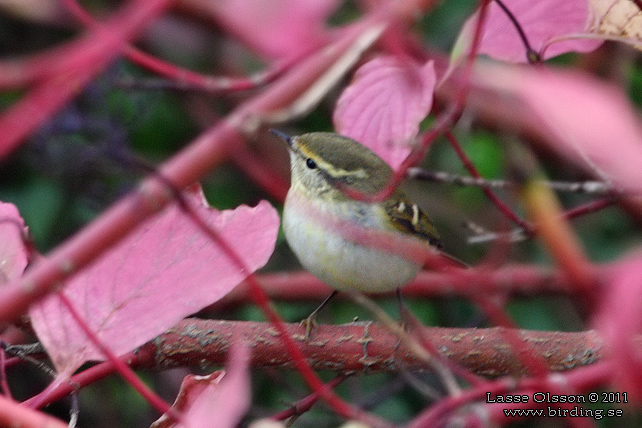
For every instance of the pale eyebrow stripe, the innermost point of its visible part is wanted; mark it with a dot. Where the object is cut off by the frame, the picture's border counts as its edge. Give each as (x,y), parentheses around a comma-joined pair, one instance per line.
(335,172)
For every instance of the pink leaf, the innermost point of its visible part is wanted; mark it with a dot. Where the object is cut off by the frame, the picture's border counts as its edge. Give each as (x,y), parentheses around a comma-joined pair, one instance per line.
(590,121)
(620,322)
(224,405)
(13,254)
(191,388)
(384,105)
(618,19)
(164,271)
(276,28)
(542,21)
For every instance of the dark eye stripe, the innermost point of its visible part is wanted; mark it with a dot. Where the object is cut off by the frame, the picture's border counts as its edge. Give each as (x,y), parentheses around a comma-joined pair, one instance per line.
(310,163)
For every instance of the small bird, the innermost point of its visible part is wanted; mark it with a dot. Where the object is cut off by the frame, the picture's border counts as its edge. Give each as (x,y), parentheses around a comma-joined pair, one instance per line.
(324,165)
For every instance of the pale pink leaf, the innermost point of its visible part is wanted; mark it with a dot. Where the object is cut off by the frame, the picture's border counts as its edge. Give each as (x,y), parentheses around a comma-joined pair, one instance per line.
(384,105)
(620,322)
(590,121)
(191,388)
(13,254)
(164,271)
(621,19)
(223,405)
(280,29)
(545,23)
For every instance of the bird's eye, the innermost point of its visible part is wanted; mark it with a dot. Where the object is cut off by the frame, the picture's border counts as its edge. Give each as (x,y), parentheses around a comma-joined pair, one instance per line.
(310,163)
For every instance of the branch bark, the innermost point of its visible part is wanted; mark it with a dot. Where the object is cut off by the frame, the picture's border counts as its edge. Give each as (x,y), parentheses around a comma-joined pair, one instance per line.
(367,347)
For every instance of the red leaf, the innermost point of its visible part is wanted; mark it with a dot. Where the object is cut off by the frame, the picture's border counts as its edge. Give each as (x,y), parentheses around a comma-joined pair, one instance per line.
(13,254)
(542,21)
(384,105)
(164,271)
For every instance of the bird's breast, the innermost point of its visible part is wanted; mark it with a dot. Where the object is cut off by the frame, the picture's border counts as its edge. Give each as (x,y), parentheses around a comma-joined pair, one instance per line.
(311,230)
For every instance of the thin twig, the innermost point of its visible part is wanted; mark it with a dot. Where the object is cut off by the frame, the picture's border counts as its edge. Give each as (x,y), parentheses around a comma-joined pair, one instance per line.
(482,236)
(442,370)
(532,56)
(585,187)
(261,299)
(591,207)
(305,404)
(179,78)
(198,83)
(74,410)
(3,376)
(515,235)
(86,377)
(25,352)
(426,390)
(123,369)
(501,205)
(443,122)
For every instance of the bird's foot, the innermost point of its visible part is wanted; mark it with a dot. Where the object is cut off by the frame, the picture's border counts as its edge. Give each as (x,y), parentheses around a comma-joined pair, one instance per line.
(310,323)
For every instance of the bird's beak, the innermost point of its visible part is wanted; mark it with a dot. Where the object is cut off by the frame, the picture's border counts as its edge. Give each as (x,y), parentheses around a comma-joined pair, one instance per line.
(283,137)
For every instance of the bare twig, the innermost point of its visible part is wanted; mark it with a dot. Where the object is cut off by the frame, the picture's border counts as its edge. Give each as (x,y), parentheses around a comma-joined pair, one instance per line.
(305,404)
(123,369)
(178,78)
(532,56)
(587,187)
(409,342)
(483,236)
(178,81)
(501,205)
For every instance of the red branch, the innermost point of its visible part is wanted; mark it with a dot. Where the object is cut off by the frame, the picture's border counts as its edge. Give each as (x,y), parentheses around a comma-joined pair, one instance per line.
(123,369)
(512,280)
(358,347)
(581,379)
(183,77)
(86,377)
(501,205)
(13,413)
(183,169)
(81,63)
(291,348)
(367,347)
(305,404)
(363,347)
(186,167)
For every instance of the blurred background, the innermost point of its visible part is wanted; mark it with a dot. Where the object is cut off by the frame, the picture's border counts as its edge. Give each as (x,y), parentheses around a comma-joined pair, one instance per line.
(85,158)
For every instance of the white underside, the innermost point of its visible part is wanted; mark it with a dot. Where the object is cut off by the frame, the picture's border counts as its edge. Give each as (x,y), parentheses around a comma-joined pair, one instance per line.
(339,263)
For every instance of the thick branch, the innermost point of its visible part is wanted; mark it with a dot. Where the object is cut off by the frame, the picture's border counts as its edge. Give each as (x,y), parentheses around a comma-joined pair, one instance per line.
(366,347)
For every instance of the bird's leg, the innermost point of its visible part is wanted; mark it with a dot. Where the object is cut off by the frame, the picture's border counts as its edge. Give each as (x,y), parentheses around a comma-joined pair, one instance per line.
(403,311)
(310,322)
